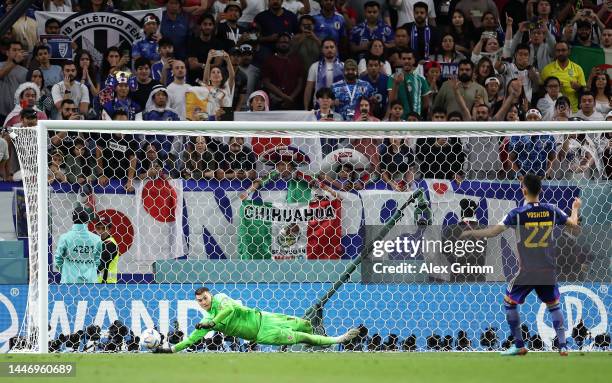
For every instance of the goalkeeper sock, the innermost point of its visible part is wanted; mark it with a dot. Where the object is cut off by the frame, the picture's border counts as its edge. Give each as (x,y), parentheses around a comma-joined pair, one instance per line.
(558,324)
(514,322)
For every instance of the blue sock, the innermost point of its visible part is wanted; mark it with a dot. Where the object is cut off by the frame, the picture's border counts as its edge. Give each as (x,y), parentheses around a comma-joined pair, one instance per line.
(514,322)
(558,324)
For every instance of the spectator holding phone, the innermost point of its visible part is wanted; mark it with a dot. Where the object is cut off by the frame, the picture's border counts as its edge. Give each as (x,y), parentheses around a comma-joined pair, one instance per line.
(162,70)
(217,89)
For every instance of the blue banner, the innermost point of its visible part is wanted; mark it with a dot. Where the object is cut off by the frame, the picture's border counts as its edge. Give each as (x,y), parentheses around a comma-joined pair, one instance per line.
(421,310)
(13,300)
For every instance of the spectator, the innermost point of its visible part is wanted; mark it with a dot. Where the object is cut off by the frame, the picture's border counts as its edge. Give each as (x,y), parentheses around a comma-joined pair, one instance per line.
(228,31)
(396,111)
(240,81)
(330,23)
(587,108)
(147,46)
(305,43)
(217,89)
(439,158)
(53,73)
(397,164)
(175,27)
(366,146)
(26,96)
(79,164)
(162,70)
(487,46)
(177,89)
(87,72)
(299,7)
(563,109)
(462,31)
(491,26)
(145,83)
(152,165)
(569,73)
(379,82)
(483,162)
(348,91)
(376,48)
(448,57)
(347,178)
(405,11)
(579,158)
(520,68)
(250,70)
(541,43)
(542,14)
(70,88)
(96,6)
(346,10)
(585,23)
(363,112)
(484,70)
(371,28)
(202,160)
(282,76)
(44,102)
(12,74)
(116,156)
(409,87)
(469,89)
(424,38)
(494,96)
(62,140)
(402,42)
(199,46)
(323,74)
(272,23)
(432,75)
(156,108)
(258,102)
(600,87)
(239,161)
(475,9)
(113,62)
(546,104)
(532,154)
(122,99)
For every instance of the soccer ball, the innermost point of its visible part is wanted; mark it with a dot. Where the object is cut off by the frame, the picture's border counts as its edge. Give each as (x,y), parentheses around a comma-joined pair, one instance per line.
(151,338)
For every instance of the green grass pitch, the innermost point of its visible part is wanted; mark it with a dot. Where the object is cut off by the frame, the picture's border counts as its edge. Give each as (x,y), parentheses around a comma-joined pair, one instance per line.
(327,367)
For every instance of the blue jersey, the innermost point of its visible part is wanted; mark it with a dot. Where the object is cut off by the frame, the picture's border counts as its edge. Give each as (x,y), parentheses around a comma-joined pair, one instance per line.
(532,152)
(362,33)
(146,48)
(380,92)
(348,96)
(535,229)
(156,72)
(333,27)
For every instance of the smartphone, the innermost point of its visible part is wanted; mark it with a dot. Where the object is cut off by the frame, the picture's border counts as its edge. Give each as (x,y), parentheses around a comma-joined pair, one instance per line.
(219,53)
(126,52)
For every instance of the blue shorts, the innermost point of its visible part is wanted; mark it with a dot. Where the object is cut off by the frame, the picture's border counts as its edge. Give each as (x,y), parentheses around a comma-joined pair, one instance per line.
(547,293)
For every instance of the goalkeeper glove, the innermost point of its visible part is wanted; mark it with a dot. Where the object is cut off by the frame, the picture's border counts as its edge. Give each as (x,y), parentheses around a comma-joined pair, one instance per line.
(205,325)
(162,350)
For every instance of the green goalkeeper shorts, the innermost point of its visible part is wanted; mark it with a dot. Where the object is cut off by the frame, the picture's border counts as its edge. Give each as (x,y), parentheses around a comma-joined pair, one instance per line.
(280,329)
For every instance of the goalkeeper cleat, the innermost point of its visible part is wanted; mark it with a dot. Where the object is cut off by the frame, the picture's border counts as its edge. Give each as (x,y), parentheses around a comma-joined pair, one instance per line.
(514,351)
(349,335)
(563,351)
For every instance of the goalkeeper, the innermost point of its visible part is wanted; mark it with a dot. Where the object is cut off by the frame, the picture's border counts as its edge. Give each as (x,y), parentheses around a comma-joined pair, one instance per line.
(229,317)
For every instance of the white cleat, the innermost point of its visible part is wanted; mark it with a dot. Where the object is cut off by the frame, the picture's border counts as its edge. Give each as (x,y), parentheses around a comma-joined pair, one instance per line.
(349,335)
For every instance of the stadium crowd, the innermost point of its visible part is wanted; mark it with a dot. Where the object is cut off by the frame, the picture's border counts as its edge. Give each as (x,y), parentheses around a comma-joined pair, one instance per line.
(393,60)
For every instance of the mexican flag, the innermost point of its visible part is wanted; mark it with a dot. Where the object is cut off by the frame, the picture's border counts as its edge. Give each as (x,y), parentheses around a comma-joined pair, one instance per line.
(287,231)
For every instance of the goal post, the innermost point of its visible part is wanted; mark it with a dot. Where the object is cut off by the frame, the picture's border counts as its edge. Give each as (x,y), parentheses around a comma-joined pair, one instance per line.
(177,231)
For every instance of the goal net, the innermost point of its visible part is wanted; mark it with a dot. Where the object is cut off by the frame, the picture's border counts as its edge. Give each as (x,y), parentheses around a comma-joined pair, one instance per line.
(347,225)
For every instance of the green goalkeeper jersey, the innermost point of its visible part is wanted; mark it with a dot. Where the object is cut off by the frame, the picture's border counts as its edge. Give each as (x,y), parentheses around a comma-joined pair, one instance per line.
(230,317)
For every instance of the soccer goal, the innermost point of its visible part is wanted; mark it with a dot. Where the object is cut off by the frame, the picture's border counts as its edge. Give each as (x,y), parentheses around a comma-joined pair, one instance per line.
(345,224)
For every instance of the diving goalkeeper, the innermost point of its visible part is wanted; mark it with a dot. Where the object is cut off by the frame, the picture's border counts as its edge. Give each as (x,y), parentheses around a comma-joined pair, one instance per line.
(229,317)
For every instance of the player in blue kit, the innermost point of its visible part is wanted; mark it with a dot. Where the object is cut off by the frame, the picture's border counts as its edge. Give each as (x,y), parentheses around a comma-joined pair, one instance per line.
(534,223)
